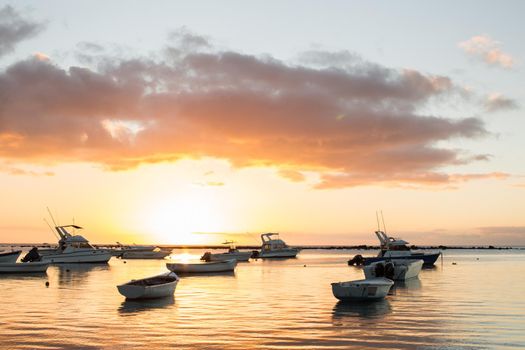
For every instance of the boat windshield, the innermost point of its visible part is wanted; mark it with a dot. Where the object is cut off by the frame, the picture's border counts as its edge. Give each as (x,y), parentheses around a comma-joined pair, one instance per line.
(399,247)
(83,245)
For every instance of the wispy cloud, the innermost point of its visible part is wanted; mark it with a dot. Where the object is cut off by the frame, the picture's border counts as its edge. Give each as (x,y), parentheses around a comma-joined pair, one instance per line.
(12,170)
(488,49)
(292,175)
(497,102)
(14,28)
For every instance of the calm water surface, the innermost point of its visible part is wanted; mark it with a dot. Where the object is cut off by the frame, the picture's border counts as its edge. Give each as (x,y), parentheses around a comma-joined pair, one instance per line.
(475,304)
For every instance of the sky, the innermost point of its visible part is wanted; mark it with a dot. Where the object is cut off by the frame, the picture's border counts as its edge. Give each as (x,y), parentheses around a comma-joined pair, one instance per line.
(192,123)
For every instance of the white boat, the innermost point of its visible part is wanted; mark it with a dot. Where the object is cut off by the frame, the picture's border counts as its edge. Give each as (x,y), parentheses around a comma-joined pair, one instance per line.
(27,267)
(74,249)
(203,267)
(395,269)
(9,257)
(232,253)
(275,248)
(152,287)
(140,252)
(362,290)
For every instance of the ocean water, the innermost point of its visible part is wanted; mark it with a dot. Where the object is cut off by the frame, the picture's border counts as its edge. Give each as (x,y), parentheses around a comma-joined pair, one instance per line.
(478,303)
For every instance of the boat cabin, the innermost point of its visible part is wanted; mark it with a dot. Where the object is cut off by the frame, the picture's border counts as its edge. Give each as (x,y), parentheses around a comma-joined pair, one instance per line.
(270,243)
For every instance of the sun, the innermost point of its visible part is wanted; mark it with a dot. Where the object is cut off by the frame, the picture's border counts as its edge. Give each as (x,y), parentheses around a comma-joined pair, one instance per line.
(183,220)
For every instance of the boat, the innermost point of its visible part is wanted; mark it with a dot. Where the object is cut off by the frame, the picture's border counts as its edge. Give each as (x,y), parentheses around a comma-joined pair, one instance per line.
(362,290)
(140,252)
(203,267)
(275,248)
(232,253)
(74,249)
(395,248)
(395,269)
(28,267)
(9,257)
(149,288)
(30,263)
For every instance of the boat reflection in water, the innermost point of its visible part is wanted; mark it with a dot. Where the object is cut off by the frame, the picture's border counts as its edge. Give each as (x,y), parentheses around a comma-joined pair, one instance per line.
(411,284)
(78,273)
(345,310)
(129,306)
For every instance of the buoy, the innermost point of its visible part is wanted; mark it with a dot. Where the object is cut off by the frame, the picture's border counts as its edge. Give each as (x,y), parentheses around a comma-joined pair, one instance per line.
(47,283)
(454,263)
(304,265)
(67,270)
(124,261)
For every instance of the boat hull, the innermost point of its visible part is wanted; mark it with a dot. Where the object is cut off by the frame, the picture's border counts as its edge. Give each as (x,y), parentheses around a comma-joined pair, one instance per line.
(135,290)
(205,267)
(428,259)
(28,267)
(10,257)
(143,255)
(404,269)
(289,253)
(362,290)
(239,256)
(89,256)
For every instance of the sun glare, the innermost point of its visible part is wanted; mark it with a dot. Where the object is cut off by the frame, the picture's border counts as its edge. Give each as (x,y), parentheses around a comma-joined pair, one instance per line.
(181,220)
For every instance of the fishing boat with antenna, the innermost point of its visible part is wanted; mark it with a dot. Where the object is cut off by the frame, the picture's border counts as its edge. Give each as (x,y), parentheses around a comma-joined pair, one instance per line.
(394,248)
(73,248)
(232,253)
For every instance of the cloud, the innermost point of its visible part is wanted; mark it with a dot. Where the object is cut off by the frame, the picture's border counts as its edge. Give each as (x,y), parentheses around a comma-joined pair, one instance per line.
(359,120)
(486,48)
(19,171)
(511,234)
(15,28)
(497,102)
(292,175)
(331,181)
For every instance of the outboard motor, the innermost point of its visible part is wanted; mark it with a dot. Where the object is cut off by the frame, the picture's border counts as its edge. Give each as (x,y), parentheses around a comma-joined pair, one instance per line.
(389,270)
(357,260)
(32,255)
(255,254)
(206,256)
(379,270)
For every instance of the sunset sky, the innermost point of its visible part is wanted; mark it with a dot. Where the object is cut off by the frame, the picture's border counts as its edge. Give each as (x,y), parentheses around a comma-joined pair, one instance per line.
(193,122)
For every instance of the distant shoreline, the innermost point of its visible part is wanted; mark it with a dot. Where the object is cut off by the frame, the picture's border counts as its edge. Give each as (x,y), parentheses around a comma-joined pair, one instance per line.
(303,247)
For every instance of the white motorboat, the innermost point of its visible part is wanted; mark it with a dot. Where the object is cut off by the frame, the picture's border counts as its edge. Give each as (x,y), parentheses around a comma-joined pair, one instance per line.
(27,267)
(232,253)
(140,252)
(395,248)
(362,290)
(203,267)
(74,249)
(275,248)
(9,257)
(395,269)
(152,287)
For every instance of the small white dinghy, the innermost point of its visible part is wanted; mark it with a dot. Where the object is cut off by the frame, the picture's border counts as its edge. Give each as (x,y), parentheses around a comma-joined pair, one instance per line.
(24,267)
(232,253)
(362,290)
(149,288)
(395,269)
(203,267)
(30,263)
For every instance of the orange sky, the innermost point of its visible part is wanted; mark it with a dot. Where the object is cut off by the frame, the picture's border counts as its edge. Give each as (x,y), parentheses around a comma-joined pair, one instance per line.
(179,143)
